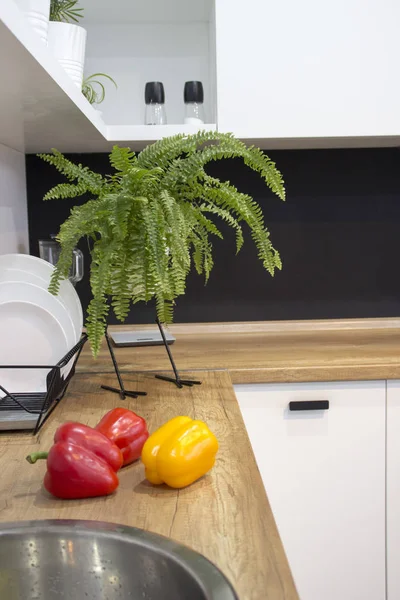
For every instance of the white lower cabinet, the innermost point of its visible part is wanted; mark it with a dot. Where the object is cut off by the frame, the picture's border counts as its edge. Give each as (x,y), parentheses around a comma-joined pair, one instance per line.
(324,473)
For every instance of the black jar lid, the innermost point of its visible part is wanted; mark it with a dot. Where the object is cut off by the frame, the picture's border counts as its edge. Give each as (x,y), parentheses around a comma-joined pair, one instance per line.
(193,92)
(154,93)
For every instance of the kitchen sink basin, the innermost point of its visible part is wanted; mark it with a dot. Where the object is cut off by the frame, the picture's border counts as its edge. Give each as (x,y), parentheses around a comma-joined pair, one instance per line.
(90,560)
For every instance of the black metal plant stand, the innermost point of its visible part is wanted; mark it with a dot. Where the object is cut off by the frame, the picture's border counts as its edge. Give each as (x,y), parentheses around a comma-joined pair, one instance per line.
(177,379)
(123,393)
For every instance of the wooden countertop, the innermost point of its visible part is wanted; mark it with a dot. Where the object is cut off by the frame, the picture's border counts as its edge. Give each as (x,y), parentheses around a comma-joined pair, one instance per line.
(225,516)
(260,352)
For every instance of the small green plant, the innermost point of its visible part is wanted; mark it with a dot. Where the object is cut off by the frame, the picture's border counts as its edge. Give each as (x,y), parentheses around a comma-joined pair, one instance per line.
(65,11)
(93,89)
(154,218)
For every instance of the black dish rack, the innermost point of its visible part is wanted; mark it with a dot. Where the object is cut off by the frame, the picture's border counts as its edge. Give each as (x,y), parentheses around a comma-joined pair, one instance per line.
(38,404)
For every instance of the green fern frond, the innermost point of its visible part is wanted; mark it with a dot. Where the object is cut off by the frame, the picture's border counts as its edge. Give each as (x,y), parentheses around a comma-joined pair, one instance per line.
(197,244)
(207,224)
(121,281)
(80,223)
(165,310)
(66,190)
(93,181)
(228,218)
(98,308)
(258,161)
(162,152)
(122,159)
(208,262)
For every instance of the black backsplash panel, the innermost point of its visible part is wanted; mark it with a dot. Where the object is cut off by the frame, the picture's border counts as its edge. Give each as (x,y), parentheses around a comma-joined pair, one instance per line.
(338,235)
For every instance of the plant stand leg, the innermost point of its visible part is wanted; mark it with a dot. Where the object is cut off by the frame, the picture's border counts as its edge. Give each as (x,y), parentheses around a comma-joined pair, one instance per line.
(123,393)
(177,380)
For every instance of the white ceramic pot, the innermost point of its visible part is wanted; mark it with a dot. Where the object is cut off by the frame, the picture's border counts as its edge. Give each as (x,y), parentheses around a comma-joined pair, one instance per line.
(37,12)
(67,43)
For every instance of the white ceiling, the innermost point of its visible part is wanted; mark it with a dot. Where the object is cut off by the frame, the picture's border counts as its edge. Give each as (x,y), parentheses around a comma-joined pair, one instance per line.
(134,11)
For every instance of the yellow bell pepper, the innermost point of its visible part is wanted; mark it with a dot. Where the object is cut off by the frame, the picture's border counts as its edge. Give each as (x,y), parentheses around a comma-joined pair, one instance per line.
(179,452)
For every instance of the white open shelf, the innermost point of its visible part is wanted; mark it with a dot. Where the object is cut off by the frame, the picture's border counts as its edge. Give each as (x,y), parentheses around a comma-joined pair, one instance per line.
(138,135)
(39,105)
(41,108)
(151,40)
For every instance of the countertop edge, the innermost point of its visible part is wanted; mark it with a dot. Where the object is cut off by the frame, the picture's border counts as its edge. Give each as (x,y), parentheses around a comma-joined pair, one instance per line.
(310,374)
(267,352)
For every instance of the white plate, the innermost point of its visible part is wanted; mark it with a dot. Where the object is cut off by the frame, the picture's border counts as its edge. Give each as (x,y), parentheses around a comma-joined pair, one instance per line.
(16,276)
(42,269)
(35,329)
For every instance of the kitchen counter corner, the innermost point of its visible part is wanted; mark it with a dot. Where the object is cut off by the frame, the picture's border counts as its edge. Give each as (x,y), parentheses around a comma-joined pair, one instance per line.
(225,515)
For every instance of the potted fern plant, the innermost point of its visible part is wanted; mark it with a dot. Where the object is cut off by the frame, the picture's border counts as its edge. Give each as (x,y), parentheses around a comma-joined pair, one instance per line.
(67,39)
(153,219)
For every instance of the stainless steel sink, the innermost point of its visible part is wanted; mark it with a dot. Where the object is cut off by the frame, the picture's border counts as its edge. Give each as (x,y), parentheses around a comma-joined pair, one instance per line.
(90,560)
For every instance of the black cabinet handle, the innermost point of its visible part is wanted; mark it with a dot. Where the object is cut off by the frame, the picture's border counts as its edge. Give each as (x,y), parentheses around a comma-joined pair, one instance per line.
(309,405)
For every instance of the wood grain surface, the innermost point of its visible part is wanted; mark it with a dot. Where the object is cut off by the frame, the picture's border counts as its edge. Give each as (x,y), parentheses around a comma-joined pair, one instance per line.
(225,515)
(284,351)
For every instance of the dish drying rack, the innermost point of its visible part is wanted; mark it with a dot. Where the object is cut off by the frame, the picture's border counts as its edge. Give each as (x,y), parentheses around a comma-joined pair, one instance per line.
(30,410)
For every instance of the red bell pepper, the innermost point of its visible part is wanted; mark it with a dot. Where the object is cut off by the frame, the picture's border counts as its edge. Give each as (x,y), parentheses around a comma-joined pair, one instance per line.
(81,464)
(127,430)
(89,438)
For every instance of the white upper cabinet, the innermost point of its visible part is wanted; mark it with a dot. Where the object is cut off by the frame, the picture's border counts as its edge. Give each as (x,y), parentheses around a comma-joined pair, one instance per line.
(309,73)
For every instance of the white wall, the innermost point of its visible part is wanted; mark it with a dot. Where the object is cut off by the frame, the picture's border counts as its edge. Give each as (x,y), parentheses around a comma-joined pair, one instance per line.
(13,204)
